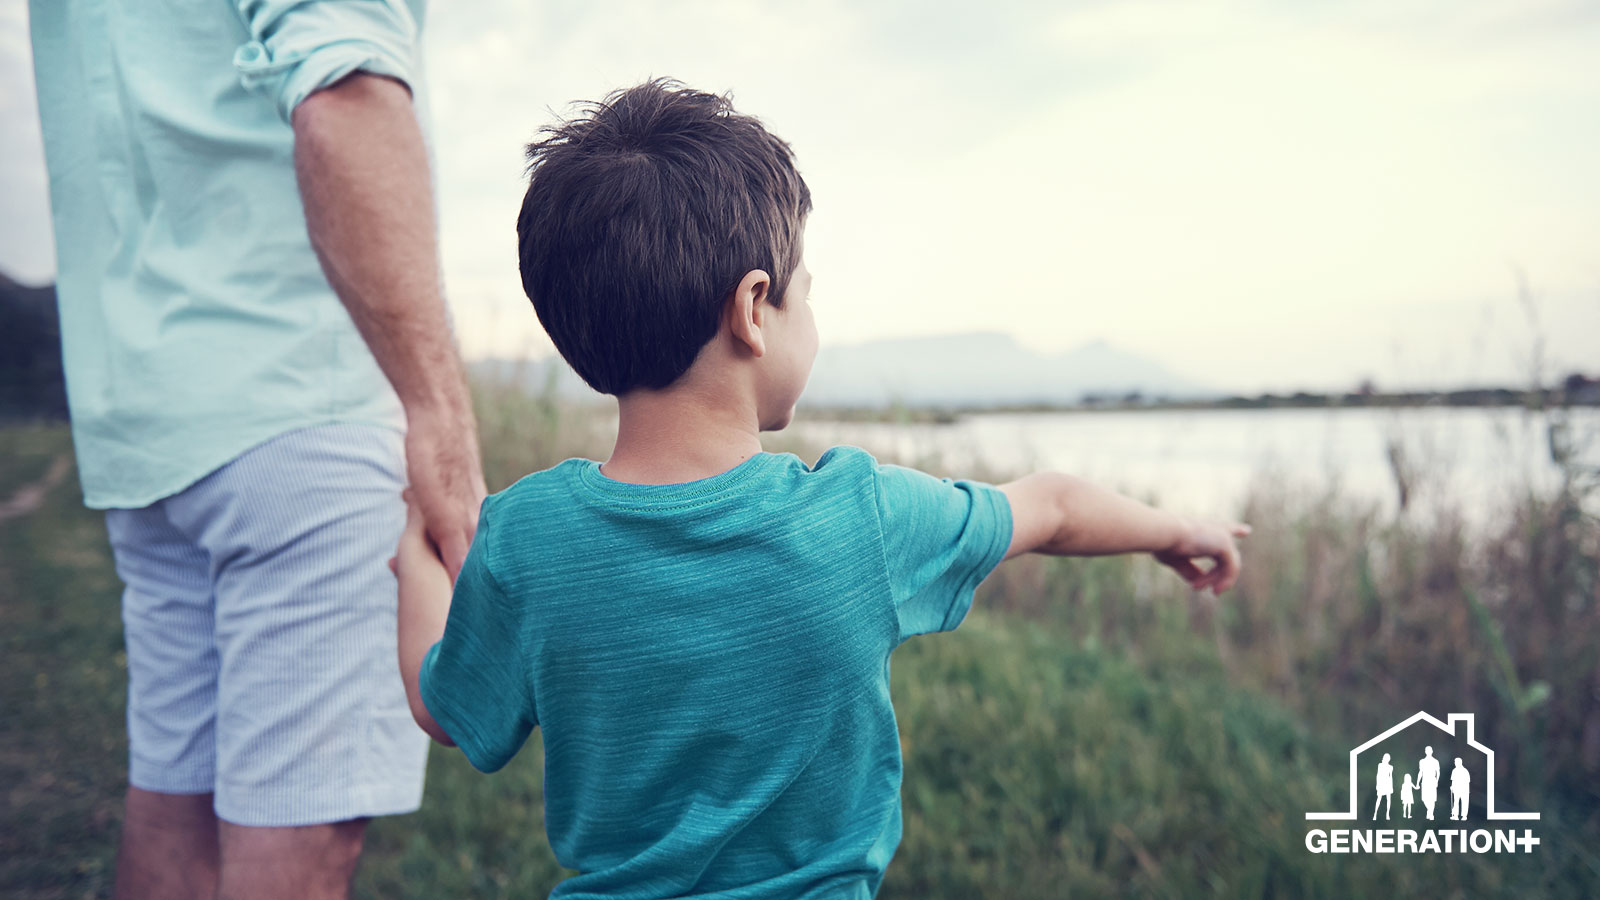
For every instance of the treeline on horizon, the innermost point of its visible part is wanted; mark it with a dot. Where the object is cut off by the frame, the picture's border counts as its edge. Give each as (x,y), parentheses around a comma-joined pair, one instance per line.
(1576,389)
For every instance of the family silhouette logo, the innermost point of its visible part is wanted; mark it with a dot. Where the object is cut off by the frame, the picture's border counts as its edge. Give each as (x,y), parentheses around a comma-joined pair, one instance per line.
(1422,781)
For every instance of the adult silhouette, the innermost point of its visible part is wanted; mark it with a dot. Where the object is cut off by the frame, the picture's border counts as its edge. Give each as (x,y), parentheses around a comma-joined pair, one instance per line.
(1460,783)
(1428,774)
(1385,789)
(259,359)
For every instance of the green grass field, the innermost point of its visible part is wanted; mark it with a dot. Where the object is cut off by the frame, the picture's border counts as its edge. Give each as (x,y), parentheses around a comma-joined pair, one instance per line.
(1086,732)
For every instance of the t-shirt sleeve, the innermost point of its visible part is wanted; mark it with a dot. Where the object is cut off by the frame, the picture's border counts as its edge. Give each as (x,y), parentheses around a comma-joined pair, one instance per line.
(474,681)
(941,538)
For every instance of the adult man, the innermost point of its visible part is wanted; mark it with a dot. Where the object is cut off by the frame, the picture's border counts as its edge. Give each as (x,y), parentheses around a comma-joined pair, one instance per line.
(227,414)
(1460,785)
(1428,772)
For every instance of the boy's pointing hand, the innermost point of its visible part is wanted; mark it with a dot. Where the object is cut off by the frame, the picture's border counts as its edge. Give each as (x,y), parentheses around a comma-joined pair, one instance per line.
(1206,539)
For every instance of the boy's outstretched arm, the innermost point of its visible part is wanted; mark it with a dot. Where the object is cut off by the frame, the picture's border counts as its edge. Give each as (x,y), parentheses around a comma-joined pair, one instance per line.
(1063,515)
(424,607)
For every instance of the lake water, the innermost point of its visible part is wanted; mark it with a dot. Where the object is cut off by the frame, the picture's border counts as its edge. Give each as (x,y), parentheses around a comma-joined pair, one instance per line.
(1200,462)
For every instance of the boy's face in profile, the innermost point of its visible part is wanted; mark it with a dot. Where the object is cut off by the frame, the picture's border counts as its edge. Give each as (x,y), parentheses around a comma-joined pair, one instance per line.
(792,348)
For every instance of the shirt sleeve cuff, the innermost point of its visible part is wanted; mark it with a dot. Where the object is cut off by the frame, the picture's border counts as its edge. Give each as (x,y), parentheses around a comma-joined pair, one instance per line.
(444,714)
(292,76)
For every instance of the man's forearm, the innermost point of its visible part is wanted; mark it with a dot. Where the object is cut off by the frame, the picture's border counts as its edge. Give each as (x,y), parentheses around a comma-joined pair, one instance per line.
(364,182)
(1097,521)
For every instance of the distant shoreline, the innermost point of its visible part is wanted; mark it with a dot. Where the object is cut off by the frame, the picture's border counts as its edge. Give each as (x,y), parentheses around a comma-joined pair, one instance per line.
(1586,395)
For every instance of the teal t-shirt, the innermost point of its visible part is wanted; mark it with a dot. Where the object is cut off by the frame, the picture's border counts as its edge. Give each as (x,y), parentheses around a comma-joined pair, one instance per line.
(709,663)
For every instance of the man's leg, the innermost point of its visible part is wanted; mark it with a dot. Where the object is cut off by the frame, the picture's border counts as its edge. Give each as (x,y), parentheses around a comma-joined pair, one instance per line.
(169,847)
(169,831)
(313,862)
(314,734)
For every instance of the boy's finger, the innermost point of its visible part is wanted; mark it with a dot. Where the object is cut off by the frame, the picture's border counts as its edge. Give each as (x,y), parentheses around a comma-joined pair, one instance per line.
(1230,570)
(1187,570)
(1221,576)
(1240,529)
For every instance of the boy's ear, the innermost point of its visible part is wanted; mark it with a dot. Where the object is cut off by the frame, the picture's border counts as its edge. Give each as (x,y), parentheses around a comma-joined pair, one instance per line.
(747,310)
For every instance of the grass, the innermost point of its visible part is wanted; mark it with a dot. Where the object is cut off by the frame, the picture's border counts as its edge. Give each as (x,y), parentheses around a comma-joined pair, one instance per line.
(1087,731)
(63,678)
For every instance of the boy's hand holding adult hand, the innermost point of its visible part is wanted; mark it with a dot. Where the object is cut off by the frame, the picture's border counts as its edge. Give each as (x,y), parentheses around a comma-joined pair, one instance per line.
(416,560)
(1206,539)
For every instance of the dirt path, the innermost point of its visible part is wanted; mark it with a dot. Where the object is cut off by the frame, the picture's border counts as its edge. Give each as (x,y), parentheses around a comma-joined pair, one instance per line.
(29,496)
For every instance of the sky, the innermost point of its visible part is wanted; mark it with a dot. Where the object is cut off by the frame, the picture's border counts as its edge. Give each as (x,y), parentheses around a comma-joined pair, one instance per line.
(1260,196)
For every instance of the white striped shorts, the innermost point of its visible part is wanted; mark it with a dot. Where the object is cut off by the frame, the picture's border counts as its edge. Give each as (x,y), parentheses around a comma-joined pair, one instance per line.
(259,615)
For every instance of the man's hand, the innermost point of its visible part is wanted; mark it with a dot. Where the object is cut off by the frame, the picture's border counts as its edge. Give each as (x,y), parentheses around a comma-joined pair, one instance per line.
(452,487)
(442,463)
(1206,539)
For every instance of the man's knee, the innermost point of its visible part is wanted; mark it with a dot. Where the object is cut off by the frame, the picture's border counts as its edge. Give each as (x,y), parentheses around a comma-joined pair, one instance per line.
(333,845)
(169,846)
(312,861)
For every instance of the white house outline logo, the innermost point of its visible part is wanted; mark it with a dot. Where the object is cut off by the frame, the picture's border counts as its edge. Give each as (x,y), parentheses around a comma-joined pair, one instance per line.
(1449,728)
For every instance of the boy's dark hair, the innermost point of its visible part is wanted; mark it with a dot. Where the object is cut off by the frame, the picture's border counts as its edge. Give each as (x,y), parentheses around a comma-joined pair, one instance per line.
(641,217)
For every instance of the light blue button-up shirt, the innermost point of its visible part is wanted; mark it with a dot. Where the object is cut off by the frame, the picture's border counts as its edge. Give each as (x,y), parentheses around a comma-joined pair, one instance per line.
(196,322)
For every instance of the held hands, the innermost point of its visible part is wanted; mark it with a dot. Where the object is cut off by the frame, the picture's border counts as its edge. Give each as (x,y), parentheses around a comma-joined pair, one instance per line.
(1206,539)
(447,486)
(417,558)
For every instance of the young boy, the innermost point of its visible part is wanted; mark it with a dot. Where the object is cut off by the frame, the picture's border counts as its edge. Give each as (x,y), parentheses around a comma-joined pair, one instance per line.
(701,628)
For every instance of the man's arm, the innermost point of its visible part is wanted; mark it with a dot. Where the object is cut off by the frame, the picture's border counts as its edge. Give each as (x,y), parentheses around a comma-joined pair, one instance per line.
(364,181)
(1063,515)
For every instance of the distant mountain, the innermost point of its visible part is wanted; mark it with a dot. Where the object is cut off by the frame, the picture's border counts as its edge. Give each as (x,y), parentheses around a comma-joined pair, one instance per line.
(983,368)
(973,369)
